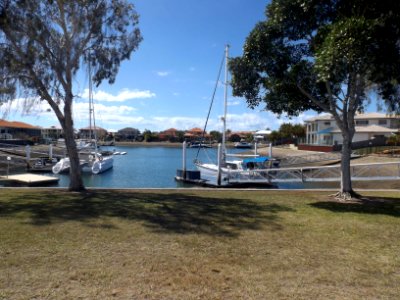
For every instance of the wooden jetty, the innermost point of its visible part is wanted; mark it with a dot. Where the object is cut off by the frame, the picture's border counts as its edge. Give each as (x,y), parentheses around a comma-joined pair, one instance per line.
(29,179)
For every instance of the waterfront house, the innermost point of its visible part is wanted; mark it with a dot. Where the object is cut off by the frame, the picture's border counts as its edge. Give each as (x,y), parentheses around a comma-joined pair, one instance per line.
(262,135)
(52,133)
(13,130)
(127,134)
(322,131)
(236,136)
(88,133)
(168,135)
(194,133)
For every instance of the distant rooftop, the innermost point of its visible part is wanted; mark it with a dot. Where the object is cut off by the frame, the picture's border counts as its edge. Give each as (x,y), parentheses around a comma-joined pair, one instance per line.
(14,124)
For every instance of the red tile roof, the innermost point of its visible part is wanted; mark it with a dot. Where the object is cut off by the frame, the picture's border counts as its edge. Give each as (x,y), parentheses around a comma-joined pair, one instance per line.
(15,124)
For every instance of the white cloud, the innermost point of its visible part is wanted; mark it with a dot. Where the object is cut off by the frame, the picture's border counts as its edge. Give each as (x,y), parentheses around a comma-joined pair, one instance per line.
(30,106)
(251,121)
(120,116)
(235,122)
(234,103)
(163,73)
(296,120)
(122,96)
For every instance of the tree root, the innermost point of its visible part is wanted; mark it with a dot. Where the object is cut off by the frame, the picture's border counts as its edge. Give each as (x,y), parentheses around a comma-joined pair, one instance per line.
(346,196)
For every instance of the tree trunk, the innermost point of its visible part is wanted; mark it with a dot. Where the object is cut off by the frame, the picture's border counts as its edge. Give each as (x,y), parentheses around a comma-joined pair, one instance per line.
(345,183)
(75,183)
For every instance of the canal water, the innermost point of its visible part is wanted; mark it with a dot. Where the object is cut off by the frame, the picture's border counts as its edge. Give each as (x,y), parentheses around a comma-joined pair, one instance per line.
(145,167)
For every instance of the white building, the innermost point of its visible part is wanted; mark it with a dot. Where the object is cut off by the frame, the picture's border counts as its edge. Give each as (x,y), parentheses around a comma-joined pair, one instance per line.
(262,135)
(323,130)
(52,133)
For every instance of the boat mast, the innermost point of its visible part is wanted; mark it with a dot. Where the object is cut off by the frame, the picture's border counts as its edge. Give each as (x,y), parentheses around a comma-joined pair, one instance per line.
(90,103)
(225,103)
(91,112)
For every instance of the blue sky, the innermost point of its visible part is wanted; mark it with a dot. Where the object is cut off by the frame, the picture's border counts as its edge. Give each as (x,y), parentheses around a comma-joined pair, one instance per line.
(169,81)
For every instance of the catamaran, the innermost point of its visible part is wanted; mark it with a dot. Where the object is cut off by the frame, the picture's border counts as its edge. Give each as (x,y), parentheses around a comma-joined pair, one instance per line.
(92,161)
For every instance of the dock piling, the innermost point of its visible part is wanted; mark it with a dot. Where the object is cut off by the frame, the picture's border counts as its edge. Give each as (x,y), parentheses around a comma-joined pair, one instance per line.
(184,159)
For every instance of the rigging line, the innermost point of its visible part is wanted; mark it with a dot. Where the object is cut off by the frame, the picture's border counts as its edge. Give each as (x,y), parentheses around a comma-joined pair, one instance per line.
(212,101)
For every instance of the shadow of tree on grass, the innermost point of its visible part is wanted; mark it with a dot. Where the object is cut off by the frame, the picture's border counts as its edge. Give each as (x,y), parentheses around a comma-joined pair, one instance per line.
(366,205)
(161,212)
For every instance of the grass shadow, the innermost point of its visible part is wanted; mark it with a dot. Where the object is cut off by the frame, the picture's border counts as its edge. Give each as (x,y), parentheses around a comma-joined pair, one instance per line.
(160,212)
(366,205)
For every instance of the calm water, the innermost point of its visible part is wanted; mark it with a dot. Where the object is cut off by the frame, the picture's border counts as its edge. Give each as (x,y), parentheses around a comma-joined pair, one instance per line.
(145,167)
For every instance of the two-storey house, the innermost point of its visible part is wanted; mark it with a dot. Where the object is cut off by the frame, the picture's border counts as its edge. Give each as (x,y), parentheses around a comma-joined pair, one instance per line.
(323,130)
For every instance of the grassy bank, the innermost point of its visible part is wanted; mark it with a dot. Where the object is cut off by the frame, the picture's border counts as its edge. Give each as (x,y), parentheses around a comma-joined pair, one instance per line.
(197,244)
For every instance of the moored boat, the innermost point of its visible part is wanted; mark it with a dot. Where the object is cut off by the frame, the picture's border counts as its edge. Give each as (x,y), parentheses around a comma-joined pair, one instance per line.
(236,171)
(199,145)
(243,145)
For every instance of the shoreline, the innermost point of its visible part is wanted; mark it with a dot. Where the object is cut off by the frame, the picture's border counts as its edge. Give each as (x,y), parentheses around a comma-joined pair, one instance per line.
(166,144)
(147,144)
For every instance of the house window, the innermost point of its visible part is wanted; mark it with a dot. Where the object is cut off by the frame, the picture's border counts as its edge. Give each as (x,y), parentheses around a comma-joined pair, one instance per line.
(362,122)
(382,122)
(327,123)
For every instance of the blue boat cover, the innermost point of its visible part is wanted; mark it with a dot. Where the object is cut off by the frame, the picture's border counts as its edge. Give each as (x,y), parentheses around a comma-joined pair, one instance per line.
(260,159)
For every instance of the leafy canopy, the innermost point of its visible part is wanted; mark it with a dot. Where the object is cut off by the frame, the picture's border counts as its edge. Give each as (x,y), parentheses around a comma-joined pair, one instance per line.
(45,42)
(323,55)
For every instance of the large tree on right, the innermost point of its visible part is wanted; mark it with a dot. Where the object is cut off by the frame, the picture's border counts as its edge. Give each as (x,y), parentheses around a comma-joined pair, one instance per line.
(324,55)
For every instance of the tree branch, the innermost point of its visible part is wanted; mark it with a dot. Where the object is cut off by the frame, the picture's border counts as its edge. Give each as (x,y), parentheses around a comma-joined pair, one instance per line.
(42,90)
(332,102)
(315,101)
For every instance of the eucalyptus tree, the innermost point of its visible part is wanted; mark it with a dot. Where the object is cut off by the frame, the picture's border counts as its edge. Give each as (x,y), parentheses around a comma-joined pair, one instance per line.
(323,55)
(43,44)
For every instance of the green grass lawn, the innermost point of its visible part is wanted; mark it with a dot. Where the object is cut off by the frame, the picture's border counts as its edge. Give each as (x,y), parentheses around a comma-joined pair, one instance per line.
(198,244)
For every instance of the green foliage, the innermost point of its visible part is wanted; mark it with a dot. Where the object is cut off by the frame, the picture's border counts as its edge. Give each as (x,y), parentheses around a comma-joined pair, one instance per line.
(275,136)
(321,55)
(394,140)
(180,136)
(234,138)
(324,55)
(43,44)
(216,135)
(288,130)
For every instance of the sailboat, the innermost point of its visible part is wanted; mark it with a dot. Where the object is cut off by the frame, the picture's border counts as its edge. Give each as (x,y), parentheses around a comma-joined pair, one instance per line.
(92,161)
(235,171)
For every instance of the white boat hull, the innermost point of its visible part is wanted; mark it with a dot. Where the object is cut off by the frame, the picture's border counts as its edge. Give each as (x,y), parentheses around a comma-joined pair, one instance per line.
(100,166)
(95,167)
(233,174)
(62,166)
(209,173)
